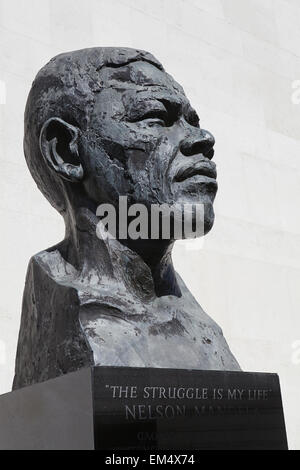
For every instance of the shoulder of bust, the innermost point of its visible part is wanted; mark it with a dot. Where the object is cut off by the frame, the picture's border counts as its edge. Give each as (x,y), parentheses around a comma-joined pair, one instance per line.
(52,264)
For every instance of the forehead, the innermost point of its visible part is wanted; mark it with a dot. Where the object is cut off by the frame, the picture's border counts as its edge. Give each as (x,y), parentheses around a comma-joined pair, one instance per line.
(138,74)
(140,81)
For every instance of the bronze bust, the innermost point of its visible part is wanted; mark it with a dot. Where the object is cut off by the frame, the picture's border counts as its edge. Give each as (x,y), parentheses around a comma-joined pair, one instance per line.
(102,123)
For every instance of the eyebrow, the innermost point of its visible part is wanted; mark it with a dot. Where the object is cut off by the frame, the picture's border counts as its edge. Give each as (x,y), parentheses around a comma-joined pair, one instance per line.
(174,107)
(169,103)
(180,108)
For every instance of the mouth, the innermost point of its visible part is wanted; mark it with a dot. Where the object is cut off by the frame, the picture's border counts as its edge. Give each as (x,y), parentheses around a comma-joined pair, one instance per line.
(204,169)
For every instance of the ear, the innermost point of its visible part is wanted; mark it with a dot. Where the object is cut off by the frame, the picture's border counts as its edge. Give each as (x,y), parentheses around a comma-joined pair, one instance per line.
(59,147)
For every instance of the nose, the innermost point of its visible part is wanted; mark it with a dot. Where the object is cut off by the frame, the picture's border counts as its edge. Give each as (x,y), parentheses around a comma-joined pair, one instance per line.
(200,142)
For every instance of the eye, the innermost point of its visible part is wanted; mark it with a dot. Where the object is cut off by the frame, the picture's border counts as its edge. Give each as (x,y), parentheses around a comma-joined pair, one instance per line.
(155,122)
(153,118)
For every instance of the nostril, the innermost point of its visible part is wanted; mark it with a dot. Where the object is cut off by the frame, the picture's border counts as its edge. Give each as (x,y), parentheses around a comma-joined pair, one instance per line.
(202,143)
(190,148)
(210,154)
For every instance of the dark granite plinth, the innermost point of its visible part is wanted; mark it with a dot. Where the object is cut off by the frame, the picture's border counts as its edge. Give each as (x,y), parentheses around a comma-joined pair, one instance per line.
(128,408)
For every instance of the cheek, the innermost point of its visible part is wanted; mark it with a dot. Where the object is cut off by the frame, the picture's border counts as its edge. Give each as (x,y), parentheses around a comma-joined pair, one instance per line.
(149,159)
(136,160)
(129,160)
(149,171)
(104,180)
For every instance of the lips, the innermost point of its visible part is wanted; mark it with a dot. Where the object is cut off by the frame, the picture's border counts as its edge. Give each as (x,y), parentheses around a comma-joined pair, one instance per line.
(198,168)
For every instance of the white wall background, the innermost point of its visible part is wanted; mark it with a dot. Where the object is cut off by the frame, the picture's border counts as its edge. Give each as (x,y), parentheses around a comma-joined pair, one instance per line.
(237,60)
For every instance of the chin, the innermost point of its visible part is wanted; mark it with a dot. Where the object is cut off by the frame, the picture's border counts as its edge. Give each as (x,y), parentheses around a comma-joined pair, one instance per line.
(209,218)
(195,227)
(196,194)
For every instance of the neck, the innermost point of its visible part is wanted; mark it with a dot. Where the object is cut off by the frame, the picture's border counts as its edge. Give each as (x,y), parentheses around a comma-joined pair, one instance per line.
(109,258)
(157,255)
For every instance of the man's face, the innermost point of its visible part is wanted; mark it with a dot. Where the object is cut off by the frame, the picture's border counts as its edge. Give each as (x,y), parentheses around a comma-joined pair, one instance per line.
(144,141)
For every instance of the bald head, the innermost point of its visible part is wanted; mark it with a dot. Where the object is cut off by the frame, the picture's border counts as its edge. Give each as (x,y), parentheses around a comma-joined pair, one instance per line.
(66,88)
